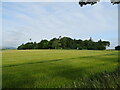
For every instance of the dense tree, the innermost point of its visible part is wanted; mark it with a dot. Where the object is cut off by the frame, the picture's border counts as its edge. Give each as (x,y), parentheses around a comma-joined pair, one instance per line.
(43,44)
(54,44)
(35,45)
(21,47)
(79,44)
(117,47)
(66,43)
(101,45)
(28,45)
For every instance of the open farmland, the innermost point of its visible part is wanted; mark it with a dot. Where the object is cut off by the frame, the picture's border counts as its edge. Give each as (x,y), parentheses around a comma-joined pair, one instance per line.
(59,68)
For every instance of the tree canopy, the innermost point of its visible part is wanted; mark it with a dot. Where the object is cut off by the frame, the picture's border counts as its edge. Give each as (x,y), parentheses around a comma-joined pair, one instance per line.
(117,47)
(66,43)
(92,2)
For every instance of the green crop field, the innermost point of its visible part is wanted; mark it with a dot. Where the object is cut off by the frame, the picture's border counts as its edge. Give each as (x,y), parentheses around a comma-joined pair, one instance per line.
(59,68)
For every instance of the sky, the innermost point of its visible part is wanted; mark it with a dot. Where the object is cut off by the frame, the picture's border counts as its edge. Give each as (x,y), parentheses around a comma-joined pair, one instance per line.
(46,20)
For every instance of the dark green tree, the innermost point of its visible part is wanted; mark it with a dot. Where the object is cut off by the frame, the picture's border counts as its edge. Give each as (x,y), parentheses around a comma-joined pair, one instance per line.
(43,44)
(67,43)
(117,47)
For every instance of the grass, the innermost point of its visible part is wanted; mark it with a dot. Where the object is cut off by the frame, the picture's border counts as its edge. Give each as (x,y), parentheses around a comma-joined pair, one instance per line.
(60,69)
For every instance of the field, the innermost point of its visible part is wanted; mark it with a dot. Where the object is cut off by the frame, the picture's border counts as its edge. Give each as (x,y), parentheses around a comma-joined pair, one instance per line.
(59,68)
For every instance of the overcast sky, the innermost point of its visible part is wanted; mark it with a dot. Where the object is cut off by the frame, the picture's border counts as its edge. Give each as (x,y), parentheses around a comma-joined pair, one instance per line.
(46,20)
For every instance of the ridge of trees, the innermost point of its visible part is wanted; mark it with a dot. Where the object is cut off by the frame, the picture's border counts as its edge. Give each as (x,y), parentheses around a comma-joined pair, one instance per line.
(66,43)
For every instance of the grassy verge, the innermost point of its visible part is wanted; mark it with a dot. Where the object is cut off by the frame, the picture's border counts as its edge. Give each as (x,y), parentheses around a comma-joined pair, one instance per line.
(102,80)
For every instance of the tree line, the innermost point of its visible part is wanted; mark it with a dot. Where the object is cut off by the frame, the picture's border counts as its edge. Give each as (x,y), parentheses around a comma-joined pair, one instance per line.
(66,43)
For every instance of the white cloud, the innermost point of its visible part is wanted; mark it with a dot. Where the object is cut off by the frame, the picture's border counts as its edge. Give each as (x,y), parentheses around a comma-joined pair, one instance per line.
(47,0)
(40,0)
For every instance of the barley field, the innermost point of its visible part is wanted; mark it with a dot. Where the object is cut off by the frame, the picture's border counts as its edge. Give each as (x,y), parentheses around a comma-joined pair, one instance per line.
(59,69)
